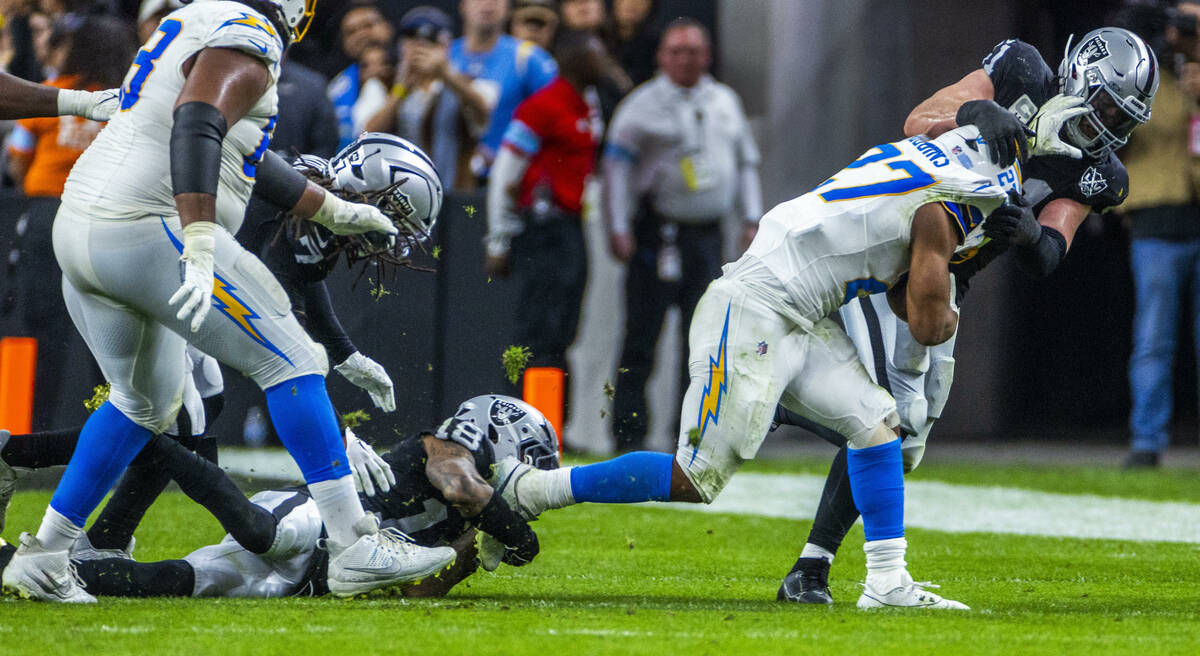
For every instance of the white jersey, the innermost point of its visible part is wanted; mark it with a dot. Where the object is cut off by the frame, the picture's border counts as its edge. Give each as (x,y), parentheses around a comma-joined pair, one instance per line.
(851,235)
(126,173)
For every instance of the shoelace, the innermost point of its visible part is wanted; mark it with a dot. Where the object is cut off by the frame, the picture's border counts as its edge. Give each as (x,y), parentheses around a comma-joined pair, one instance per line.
(397,539)
(73,573)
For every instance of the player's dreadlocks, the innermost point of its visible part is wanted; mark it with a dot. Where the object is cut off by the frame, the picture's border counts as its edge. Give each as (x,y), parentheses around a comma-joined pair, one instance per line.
(370,248)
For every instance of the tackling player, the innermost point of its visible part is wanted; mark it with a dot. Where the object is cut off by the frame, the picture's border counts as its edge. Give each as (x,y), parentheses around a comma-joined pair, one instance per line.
(441,496)
(761,336)
(144,241)
(1112,74)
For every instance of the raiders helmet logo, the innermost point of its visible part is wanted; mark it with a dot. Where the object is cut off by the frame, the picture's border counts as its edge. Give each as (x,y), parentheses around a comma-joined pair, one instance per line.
(1092,182)
(1094,50)
(503,413)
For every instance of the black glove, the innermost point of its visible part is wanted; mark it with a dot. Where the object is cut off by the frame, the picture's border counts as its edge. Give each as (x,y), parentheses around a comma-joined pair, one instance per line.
(1006,136)
(498,520)
(1013,223)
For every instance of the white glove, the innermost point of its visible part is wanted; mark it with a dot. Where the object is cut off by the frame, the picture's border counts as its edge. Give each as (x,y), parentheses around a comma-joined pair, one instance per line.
(367,466)
(368,374)
(94,105)
(345,218)
(196,273)
(1048,123)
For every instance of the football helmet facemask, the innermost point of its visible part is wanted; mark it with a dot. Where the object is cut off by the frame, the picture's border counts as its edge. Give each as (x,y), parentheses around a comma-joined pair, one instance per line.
(378,162)
(515,429)
(1117,74)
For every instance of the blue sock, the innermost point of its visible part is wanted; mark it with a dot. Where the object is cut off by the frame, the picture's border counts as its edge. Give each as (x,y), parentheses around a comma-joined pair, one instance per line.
(631,478)
(308,427)
(877,483)
(107,444)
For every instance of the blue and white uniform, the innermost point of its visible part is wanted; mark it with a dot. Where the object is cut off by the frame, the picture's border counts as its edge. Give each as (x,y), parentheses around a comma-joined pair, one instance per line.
(118,236)
(761,334)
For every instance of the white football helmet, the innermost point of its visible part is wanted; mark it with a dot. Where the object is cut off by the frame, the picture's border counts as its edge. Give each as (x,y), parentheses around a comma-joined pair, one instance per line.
(296,15)
(515,429)
(378,162)
(1117,73)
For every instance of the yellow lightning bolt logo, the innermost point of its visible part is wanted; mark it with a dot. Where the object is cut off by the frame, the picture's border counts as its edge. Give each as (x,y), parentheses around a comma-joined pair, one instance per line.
(250,21)
(714,392)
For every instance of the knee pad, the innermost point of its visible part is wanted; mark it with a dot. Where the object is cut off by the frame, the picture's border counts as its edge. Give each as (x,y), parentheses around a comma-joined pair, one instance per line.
(156,415)
(861,438)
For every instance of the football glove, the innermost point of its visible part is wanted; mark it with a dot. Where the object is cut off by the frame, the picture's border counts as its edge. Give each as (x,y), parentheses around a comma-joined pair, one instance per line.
(1013,223)
(346,218)
(368,374)
(1006,136)
(194,296)
(367,467)
(524,551)
(93,105)
(1048,123)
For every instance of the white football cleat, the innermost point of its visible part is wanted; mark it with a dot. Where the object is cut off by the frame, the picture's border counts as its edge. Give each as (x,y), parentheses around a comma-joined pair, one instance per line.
(890,590)
(34,573)
(381,558)
(83,550)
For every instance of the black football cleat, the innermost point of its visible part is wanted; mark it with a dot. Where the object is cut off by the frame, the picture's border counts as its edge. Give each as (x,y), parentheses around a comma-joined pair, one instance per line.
(807,583)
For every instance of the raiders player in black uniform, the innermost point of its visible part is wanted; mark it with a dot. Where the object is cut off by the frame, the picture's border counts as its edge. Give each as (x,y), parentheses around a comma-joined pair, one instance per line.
(441,497)
(1114,74)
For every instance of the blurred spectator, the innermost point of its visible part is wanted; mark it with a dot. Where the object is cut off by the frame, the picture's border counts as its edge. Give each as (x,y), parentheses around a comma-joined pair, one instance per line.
(23,62)
(679,149)
(586,15)
(93,53)
(633,40)
(535,197)
(307,122)
(536,21)
(151,13)
(360,91)
(431,103)
(1163,160)
(505,70)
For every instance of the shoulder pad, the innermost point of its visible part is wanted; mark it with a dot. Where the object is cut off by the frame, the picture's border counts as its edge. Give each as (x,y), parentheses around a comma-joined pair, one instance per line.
(247,31)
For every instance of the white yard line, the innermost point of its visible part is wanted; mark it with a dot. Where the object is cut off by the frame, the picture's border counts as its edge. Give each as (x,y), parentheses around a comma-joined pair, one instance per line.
(931,505)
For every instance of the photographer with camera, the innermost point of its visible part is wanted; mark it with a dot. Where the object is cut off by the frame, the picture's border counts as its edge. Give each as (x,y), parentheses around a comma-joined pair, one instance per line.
(1163,210)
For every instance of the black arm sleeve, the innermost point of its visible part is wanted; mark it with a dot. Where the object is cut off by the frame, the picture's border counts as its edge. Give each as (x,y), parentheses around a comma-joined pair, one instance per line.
(278,183)
(322,323)
(1043,257)
(196,139)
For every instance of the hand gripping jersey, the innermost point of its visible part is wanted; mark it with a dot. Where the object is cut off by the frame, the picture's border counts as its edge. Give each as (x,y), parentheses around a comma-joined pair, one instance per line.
(850,235)
(1022,82)
(126,174)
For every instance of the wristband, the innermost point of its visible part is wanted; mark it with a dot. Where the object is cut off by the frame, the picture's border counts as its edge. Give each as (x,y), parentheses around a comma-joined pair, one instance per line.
(199,242)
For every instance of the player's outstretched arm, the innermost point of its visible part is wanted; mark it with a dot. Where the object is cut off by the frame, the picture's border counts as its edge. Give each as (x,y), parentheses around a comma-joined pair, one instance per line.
(282,185)
(936,114)
(22,99)
(930,313)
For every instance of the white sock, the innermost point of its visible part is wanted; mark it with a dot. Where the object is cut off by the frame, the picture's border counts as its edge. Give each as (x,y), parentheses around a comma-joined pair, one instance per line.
(57,533)
(558,488)
(813,551)
(885,556)
(340,509)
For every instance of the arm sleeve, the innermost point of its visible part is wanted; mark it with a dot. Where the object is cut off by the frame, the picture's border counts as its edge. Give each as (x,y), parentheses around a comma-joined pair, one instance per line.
(1044,256)
(506,173)
(322,323)
(619,194)
(277,182)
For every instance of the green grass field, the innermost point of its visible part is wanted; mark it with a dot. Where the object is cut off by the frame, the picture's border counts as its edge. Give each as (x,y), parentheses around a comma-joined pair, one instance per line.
(627,580)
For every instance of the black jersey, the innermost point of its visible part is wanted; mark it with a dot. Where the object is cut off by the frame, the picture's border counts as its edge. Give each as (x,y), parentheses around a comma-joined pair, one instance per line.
(1023,82)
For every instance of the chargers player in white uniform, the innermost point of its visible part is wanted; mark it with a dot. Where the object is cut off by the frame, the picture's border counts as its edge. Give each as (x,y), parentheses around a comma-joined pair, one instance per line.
(762,335)
(144,241)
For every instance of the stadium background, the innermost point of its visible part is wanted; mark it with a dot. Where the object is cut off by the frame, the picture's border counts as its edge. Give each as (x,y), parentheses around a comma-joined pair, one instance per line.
(1040,359)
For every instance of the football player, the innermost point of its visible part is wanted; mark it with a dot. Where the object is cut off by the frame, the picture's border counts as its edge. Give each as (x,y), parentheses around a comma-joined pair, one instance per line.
(761,336)
(1112,75)
(273,547)
(144,240)
(380,168)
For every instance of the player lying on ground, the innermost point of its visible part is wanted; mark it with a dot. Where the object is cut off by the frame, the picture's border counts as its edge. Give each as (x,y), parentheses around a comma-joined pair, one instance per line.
(141,210)
(1113,75)
(381,169)
(440,497)
(761,336)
